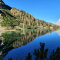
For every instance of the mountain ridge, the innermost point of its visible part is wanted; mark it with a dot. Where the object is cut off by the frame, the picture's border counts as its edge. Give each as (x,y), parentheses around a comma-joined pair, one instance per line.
(12,17)
(4,6)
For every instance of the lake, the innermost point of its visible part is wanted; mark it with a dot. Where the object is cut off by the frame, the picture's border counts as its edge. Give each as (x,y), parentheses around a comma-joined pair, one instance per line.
(24,43)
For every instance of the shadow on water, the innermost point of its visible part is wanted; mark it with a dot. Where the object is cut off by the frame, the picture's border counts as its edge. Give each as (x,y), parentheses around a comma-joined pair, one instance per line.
(13,39)
(41,54)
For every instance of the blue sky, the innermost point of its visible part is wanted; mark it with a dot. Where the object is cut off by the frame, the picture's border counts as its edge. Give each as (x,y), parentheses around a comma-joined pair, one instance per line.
(47,10)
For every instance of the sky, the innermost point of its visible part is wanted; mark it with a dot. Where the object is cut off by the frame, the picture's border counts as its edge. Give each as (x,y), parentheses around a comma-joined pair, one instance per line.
(47,10)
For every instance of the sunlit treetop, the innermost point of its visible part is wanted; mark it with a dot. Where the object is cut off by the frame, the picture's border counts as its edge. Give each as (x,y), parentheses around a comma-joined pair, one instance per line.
(0,0)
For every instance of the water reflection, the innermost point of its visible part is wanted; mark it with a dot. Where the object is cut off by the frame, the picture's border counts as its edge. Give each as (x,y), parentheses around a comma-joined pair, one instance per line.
(13,40)
(58,31)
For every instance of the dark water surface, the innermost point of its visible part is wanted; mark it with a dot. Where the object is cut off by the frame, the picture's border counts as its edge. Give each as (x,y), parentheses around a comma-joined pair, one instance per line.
(31,41)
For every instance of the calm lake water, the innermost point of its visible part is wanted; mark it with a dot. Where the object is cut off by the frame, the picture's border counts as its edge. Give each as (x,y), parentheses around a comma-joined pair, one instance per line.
(31,41)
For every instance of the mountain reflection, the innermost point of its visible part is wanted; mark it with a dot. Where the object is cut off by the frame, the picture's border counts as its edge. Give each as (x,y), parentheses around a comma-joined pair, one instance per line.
(13,39)
(58,32)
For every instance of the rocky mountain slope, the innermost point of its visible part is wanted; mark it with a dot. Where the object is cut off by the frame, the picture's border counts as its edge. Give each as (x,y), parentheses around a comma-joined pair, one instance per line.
(58,23)
(14,18)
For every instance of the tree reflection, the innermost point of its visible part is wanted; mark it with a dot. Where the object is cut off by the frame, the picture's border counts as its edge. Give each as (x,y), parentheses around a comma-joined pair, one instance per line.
(16,39)
(41,54)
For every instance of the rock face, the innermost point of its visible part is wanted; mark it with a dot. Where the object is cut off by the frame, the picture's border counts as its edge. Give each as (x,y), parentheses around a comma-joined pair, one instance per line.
(0,18)
(58,23)
(12,17)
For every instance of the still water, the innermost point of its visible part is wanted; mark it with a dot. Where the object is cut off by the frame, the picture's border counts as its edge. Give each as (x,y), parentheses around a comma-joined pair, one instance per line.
(30,41)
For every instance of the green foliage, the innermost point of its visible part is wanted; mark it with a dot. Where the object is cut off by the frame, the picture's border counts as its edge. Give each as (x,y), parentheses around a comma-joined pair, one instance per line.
(8,20)
(10,37)
(13,17)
